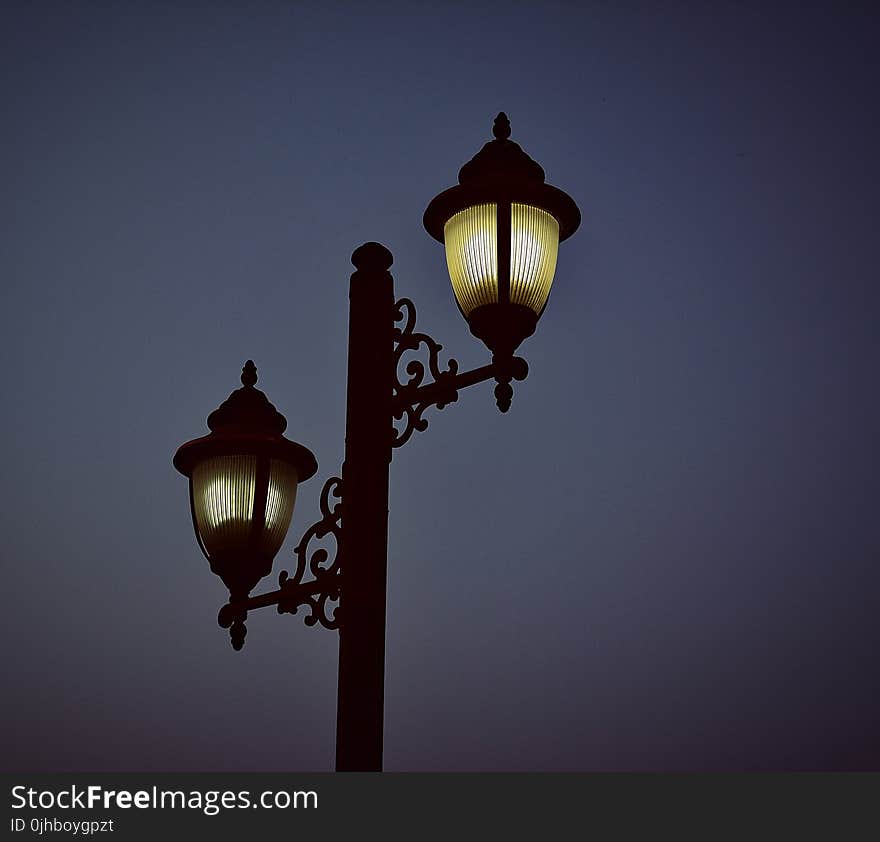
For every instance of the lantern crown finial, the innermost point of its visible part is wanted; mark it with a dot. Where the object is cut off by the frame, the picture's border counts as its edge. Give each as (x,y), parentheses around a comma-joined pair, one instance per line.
(501,127)
(249,374)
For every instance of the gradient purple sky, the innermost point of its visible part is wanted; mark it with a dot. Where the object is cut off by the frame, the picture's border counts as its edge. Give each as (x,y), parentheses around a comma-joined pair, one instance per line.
(664,557)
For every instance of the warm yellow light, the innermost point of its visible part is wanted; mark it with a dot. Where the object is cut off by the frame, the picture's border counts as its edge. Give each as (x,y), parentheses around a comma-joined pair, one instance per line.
(534,244)
(223,500)
(472,256)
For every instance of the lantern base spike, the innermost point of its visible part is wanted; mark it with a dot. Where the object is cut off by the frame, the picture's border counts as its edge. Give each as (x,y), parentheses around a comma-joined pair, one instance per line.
(237,633)
(503,396)
(507,368)
(232,616)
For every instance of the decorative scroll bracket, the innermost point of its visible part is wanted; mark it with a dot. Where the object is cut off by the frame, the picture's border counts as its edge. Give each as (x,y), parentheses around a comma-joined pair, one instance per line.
(293,591)
(407,401)
(413,396)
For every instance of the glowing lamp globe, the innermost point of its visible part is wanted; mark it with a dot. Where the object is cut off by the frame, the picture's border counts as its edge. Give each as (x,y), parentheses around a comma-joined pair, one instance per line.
(243,478)
(502,225)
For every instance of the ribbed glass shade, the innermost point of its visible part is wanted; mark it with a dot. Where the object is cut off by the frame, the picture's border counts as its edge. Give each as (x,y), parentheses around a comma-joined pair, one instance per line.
(472,256)
(223,491)
(471,238)
(534,244)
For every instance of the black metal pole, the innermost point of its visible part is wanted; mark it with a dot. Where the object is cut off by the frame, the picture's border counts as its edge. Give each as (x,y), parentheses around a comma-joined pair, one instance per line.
(368,435)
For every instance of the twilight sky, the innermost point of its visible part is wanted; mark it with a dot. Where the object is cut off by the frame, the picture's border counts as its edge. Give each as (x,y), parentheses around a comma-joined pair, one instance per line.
(665,557)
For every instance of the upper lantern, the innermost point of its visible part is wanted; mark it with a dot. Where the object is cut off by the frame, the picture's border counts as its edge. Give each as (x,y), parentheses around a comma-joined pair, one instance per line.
(243,479)
(502,225)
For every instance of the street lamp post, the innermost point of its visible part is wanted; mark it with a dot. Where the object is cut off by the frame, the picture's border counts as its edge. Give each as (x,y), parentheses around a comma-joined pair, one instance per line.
(501,226)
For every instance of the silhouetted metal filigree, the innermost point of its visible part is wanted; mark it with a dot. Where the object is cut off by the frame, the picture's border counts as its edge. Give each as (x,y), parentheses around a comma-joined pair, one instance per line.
(295,590)
(408,402)
(326,575)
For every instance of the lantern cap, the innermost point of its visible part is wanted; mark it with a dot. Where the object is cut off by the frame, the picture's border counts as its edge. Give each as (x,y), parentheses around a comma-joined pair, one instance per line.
(247,408)
(501,172)
(501,159)
(246,423)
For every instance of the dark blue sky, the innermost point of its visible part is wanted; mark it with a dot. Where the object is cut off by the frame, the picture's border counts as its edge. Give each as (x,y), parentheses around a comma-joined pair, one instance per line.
(664,557)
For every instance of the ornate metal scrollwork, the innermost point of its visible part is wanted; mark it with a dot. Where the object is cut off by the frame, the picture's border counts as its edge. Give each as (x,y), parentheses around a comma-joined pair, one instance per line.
(325,575)
(293,591)
(407,339)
